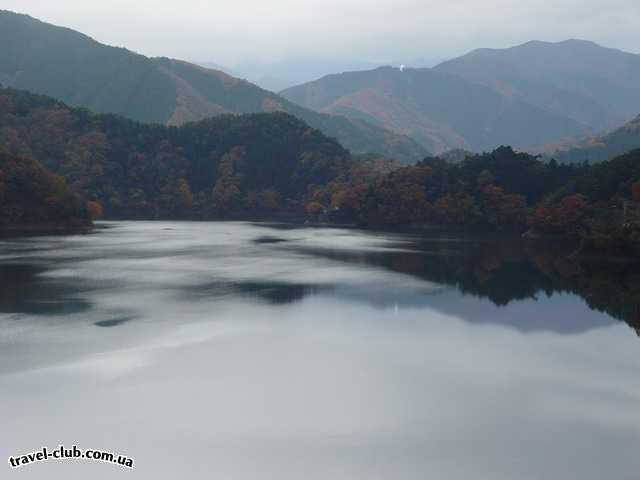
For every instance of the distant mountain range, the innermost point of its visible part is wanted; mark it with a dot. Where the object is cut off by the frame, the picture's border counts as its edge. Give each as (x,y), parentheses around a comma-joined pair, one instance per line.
(534,94)
(524,96)
(439,110)
(280,75)
(598,148)
(76,69)
(581,80)
(277,76)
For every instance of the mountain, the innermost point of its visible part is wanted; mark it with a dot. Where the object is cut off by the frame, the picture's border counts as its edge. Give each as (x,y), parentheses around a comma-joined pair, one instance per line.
(227,165)
(76,69)
(438,109)
(33,198)
(586,82)
(277,76)
(602,147)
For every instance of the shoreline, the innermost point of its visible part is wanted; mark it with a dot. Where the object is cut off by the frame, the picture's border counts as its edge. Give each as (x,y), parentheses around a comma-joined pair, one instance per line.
(44,229)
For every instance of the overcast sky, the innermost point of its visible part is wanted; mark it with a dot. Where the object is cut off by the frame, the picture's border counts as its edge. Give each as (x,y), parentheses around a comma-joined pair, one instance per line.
(229,32)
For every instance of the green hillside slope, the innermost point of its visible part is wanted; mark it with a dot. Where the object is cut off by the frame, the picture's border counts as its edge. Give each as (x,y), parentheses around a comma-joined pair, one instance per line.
(72,67)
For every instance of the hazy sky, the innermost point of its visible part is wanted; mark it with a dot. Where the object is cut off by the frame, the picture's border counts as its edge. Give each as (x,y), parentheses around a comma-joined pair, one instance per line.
(229,32)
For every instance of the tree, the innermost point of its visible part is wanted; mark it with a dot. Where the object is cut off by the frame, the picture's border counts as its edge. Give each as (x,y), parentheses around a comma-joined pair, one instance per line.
(184,195)
(314,208)
(635,191)
(95,209)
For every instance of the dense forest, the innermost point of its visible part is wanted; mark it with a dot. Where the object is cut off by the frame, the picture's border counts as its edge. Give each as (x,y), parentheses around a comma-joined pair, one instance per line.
(265,165)
(32,198)
(499,191)
(227,166)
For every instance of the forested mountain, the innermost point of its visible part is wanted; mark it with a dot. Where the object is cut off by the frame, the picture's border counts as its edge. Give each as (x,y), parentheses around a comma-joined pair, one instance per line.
(528,95)
(439,110)
(226,165)
(239,166)
(598,148)
(32,198)
(591,84)
(76,69)
(502,190)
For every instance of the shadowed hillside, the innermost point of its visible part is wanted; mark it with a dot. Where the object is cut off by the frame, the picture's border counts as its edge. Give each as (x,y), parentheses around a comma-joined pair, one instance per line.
(255,163)
(439,110)
(76,69)
(598,148)
(31,198)
(591,84)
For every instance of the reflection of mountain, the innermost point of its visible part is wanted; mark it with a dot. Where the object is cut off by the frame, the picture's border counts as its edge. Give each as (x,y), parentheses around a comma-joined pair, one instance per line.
(507,272)
(23,290)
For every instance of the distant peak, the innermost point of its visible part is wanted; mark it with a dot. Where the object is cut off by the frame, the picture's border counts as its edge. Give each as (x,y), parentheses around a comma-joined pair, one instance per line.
(23,16)
(539,44)
(571,42)
(577,41)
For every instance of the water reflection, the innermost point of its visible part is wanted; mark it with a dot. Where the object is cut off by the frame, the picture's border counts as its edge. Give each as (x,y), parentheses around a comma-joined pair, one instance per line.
(505,271)
(23,290)
(235,350)
(449,272)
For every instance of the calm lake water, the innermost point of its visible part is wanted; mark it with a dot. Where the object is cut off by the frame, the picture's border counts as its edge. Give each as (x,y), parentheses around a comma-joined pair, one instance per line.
(254,351)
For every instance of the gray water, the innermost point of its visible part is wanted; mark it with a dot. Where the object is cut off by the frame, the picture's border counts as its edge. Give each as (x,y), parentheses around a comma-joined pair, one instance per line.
(248,351)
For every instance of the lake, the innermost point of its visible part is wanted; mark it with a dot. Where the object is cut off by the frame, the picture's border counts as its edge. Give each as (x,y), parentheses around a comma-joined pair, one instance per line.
(237,350)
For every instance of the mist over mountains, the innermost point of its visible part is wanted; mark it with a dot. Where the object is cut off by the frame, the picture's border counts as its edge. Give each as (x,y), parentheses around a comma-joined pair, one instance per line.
(536,96)
(76,69)
(528,95)
(439,110)
(204,144)
(600,147)
(581,80)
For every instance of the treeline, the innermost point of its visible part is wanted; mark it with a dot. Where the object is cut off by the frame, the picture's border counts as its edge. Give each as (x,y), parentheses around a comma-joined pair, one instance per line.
(32,198)
(499,191)
(239,166)
(227,166)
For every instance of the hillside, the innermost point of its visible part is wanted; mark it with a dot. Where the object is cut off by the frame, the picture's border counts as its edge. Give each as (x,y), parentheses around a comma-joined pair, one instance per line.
(266,165)
(602,147)
(439,110)
(31,198)
(222,166)
(81,72)
(503,190)
(581,80)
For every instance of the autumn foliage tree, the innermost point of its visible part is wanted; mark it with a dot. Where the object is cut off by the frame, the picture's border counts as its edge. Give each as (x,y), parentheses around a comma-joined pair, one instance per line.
(95,209)
(635,191)
(30,196)
(566,215)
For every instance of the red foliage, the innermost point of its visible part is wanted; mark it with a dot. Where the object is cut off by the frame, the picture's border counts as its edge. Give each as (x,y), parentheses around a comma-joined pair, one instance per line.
(635,191)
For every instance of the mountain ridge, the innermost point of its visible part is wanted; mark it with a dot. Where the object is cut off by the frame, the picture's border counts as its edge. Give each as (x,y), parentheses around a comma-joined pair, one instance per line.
(80,71)
(601,147)
(581,79)
(138,170)
(440,110)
